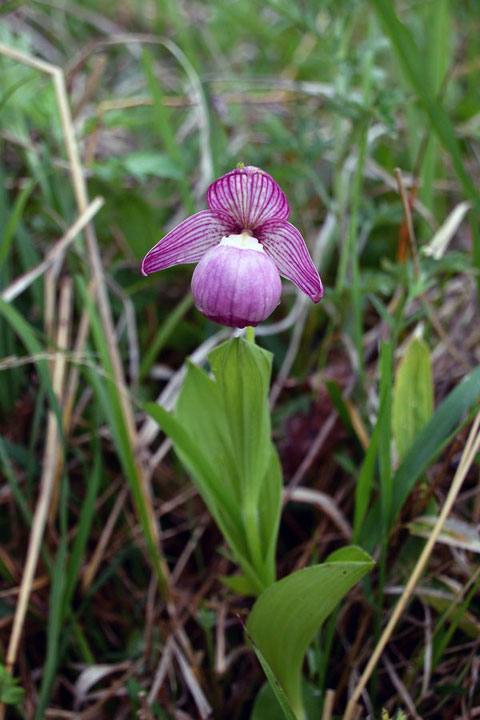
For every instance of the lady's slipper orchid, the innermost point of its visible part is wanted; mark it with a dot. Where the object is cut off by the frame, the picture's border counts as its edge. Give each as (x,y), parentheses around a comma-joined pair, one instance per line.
(242,244)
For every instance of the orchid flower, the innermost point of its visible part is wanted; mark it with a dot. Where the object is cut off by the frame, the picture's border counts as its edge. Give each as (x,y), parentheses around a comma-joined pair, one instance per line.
(242,244)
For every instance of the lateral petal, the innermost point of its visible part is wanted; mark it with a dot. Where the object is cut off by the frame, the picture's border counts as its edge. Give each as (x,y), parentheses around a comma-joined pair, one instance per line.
(189,240)
(287,248)
(250,196)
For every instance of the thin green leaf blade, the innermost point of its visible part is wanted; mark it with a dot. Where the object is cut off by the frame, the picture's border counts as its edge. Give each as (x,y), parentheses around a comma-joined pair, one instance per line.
(364,485)
(164,126)
(55,620)
(162,335)
(84,524)
(413,66)
(27,335)
(10,227)
(114,412)
(385,429)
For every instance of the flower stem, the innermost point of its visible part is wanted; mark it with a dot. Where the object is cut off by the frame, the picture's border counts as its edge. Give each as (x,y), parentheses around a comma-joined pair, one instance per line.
(250,334)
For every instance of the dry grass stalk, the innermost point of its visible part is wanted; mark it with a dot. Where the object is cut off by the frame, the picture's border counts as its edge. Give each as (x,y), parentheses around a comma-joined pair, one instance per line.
(74,375)
(220,640)
(203,707)
(424,298)
(100,289)
(328,705)
(409,220)
(471,448)
(94,711)
(98,555)
(322,240)
(92,83)
(400,687)
(162,669)
(322,501)
(189,549)
(38,584)
(23,282)
(65,309)
(52,446)
(49,299)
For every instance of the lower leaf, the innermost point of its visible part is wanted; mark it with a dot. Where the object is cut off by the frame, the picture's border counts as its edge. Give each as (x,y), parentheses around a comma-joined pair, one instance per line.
(288,614)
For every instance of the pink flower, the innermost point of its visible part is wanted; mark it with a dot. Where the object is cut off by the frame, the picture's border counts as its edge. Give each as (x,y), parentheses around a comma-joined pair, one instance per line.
(242,244)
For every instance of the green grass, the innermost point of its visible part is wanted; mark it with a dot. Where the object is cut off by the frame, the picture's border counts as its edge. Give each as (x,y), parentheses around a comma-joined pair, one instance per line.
(329,98)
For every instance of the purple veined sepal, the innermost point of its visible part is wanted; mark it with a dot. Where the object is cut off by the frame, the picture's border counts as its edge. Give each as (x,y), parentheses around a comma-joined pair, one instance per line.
(250,196)
(287,248)
(189,241)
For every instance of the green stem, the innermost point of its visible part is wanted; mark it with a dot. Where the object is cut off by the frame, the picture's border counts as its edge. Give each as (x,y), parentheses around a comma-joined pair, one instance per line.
(250,334)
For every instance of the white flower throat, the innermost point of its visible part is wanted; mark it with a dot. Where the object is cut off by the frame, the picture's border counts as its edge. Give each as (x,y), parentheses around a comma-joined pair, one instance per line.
(244,241)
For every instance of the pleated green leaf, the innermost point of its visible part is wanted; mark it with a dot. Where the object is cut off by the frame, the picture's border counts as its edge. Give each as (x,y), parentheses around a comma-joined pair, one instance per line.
(266,703)
(242,371)
(274,684)
(214,493)
(412,395)
(438,431)
(221,432)
(429,442)
(288,614)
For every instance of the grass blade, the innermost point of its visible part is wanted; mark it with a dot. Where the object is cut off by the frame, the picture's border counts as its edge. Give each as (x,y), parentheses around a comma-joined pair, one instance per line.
(84,524)
(163,334)
(55,621)
(413,65)
(27,335)
(433,438)
(164,125)
(437,433)
(122,442)
(14,219)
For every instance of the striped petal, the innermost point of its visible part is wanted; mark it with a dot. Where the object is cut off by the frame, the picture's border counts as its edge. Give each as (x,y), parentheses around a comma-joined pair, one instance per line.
(250,196)
(287,248)
(189,241)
